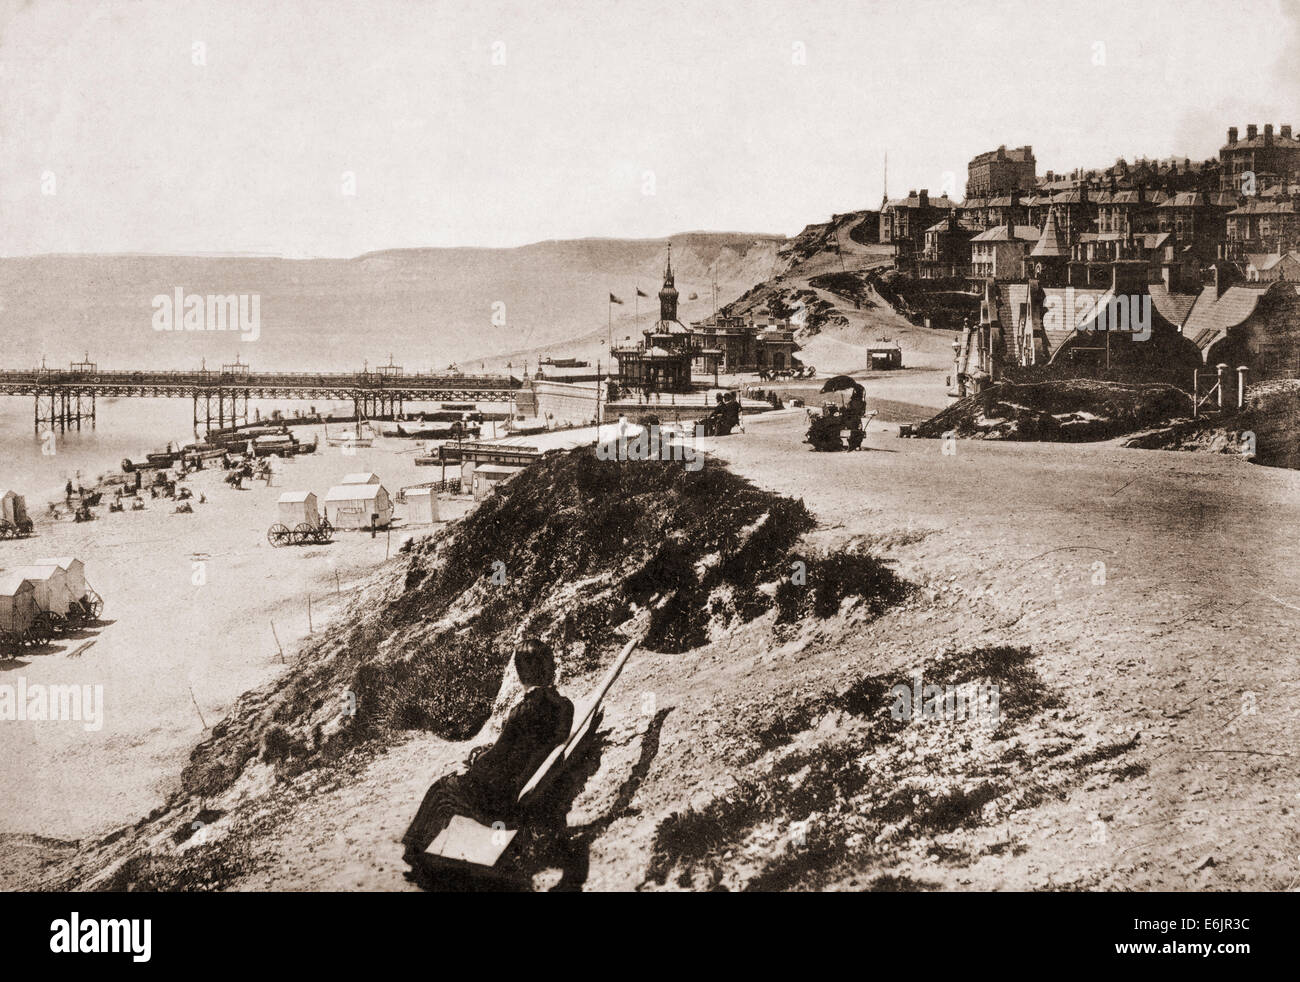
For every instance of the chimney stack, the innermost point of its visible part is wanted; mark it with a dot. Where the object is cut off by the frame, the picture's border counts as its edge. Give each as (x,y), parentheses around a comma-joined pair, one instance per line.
(1286,131)
(1268,134)
(925,198)
(1252,131)
(1232,135)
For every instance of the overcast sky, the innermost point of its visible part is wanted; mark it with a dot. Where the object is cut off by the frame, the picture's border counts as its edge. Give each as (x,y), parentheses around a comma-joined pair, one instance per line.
(243,126)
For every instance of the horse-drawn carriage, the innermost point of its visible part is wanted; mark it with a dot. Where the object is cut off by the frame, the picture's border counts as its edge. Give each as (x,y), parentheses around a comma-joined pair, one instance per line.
(14,520)
(300,521)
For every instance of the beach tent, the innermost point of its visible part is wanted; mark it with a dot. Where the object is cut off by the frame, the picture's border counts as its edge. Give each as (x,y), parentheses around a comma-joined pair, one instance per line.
(366,477)
(488,476)
(351,506)
(74,570)
(421,506)
(13,507)
(297,507)
(52,590)
(18,607)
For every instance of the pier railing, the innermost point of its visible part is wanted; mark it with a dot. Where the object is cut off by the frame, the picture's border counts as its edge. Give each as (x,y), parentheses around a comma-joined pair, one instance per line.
(66,397)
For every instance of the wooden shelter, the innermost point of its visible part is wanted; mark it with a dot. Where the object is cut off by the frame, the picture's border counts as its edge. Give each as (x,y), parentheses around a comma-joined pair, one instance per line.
(53,593)
(421,506)
(488,476)
(355,506)
(74,570)
(298,507)
(18,607)
(13,507)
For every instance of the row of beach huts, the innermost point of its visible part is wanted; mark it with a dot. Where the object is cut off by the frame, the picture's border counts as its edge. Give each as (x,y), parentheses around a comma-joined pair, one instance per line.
(44,599)
(359,501)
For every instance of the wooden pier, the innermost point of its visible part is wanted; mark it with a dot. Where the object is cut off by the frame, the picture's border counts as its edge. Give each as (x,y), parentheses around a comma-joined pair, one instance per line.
(67,398)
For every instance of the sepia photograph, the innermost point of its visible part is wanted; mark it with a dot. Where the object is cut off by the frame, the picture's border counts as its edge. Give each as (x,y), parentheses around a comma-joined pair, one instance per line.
(533,446)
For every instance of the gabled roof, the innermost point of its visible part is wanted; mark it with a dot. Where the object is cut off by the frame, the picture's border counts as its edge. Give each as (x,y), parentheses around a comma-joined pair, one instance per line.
(501,469)
(1002,233)
(1127,198)
(294,497)
(353,492)
(12,583)
(63,562)
(1074,197)
(1173,307)
(1264,261)
(1212,318)
(36,573)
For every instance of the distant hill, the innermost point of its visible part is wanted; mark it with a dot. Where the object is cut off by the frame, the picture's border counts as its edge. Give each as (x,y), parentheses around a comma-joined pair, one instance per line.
(425,307)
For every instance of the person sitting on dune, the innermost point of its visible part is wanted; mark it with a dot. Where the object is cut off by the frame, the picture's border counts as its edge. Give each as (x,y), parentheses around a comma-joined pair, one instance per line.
(489,789)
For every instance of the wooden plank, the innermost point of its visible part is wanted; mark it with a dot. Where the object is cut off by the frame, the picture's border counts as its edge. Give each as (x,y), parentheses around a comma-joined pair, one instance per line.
(582,719)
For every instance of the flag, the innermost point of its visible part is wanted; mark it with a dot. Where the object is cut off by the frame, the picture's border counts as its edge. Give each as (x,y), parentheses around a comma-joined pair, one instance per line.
(614,299)
(641,293)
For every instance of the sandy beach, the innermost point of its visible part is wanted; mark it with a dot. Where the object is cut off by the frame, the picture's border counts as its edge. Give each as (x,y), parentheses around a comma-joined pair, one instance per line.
(189,604)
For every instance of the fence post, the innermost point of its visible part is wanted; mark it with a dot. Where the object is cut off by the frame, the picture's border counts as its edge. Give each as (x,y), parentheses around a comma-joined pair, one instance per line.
(1221,367)
(1196,392)
(1241,386)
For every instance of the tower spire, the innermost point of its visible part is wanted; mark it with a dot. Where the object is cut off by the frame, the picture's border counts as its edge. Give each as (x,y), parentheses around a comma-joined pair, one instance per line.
(668,295)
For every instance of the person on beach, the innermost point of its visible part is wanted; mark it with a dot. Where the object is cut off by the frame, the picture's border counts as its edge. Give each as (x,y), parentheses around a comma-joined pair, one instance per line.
(854,412)
(489,789)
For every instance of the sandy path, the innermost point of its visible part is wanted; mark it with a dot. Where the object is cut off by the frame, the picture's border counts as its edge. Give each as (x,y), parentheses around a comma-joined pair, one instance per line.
(165,637)
(1195,624)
